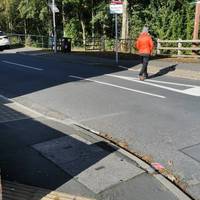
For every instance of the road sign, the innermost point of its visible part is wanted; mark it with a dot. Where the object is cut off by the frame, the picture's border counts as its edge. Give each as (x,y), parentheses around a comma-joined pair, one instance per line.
(53,8)
(116,2)
(116,8)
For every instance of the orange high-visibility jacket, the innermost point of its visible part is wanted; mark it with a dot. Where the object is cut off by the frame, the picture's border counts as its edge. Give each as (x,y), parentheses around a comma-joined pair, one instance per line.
(144,43)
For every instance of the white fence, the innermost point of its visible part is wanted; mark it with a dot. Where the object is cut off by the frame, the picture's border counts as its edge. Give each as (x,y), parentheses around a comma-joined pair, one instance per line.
(190,48)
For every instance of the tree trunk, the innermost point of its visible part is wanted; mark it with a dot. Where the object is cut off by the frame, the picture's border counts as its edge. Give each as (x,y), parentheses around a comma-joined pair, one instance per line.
(83,30)
(25,27)
(196,22)
(125,21)
(125,31)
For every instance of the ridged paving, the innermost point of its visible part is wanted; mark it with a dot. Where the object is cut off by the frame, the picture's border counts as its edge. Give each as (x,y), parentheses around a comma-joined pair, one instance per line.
(16,191)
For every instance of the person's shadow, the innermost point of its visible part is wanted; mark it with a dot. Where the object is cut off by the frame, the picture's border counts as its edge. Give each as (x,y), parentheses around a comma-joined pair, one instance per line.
(163,71)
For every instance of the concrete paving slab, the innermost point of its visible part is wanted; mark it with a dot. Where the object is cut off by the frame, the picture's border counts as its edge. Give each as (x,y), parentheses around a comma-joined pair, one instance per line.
(195,191)
(90,164)
(107,172)
(29,167)
(73,149)
(142,187)
(74,187)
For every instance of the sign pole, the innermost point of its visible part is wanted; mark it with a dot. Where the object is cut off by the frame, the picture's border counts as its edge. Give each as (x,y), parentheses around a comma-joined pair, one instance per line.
(54,26)
(116,7)
(116,40)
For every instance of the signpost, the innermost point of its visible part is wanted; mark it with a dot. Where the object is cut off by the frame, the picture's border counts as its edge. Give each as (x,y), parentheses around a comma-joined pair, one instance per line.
(54,10)
(116,7)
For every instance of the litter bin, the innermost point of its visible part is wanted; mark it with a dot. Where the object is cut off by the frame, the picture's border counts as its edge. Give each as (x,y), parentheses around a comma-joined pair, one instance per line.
(66,45)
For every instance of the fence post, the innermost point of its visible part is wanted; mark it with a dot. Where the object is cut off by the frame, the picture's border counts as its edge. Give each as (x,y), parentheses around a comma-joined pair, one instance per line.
(179,46)
(42,42)
(158,46)
(103,43)
(130,46)
(84,43)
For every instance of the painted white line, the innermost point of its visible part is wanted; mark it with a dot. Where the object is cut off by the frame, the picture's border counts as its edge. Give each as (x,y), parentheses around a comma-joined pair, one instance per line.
(156,81)
(118,86)
(172,83)
(20,65)
(194,92)
(135,69)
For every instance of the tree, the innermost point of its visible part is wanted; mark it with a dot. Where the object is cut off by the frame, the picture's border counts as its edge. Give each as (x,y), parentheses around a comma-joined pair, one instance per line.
(7,14)
(79,9)
(34,14)
(167,19)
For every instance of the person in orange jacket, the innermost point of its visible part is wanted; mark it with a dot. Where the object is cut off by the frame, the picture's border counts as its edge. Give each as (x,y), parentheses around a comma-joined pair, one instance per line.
(144,44)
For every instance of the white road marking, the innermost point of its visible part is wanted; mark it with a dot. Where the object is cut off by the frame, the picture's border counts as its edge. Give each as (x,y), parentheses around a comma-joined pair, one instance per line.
(129,69)
(118,86)
(20,65)
(193,91)
(172,83)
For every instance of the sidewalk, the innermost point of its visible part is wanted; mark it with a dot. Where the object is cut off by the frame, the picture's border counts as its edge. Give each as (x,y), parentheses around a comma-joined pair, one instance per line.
(43,158)
(188,68)
(181,67)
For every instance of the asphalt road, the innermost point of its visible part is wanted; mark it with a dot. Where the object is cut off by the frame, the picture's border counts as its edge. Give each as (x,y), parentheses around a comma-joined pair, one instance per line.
(158,118)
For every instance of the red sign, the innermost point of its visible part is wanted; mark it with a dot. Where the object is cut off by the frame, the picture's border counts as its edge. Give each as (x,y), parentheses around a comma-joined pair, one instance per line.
(116,2)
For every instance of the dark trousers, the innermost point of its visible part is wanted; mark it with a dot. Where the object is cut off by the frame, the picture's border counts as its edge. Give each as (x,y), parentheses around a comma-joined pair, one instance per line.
(145,61)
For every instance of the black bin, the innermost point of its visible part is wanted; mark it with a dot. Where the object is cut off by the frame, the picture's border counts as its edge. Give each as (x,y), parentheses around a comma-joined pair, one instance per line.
(66,45)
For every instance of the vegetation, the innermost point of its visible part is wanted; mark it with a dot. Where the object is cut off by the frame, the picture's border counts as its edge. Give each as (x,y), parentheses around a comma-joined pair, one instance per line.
(79,19)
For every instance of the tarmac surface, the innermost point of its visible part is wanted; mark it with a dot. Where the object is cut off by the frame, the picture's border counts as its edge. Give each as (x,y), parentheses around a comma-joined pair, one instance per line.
(41,151)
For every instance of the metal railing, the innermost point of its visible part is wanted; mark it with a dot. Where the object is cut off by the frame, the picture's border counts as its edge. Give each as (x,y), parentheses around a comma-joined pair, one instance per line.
(95,44)
(29,40)
(102,44)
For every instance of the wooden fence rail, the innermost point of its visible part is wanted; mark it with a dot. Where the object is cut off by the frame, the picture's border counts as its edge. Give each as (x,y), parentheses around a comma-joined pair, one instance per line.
(182,47)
